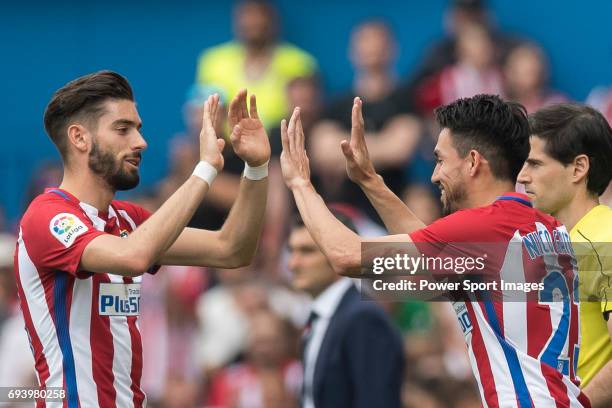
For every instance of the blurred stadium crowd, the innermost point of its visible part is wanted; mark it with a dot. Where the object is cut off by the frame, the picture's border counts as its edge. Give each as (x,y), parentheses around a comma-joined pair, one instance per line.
(230,338)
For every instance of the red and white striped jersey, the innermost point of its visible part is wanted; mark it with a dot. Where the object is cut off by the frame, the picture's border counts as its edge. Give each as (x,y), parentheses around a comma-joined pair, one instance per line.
(82,326)
(523,351)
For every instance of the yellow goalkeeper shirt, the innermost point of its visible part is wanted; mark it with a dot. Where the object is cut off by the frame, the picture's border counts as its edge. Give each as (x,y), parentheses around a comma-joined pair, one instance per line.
(592,241)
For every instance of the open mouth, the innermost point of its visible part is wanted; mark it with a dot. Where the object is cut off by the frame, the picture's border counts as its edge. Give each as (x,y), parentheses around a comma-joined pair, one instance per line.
(134,161)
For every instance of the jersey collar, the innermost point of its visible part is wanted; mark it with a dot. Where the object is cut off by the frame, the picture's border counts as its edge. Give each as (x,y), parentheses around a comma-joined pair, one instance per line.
(513,196)
(88,208)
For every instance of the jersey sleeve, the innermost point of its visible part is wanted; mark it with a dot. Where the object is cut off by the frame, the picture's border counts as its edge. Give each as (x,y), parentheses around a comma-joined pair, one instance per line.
(56,234)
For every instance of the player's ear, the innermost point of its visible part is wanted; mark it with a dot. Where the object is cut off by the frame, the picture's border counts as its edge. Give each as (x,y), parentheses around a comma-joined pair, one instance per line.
(475,161)
(78,136)
(581,166)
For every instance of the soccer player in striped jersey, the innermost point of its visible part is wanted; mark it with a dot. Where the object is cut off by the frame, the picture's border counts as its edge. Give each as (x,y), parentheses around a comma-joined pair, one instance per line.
(523,353)
(568,168)
(81,254)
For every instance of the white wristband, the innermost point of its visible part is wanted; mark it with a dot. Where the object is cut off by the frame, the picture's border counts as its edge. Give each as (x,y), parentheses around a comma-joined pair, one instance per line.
(256,173)
(205,171)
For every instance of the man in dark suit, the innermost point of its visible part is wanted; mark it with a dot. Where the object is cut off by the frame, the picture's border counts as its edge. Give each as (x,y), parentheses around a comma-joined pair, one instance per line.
(352,354)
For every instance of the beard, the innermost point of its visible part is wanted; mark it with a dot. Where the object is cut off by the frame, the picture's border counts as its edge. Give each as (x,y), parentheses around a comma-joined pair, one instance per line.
(106,165)
(452,199)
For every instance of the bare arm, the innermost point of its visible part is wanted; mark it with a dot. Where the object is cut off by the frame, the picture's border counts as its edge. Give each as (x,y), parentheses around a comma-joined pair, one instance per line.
(135,254)
(341,246)
(235,244)
(395,214)
(599,390)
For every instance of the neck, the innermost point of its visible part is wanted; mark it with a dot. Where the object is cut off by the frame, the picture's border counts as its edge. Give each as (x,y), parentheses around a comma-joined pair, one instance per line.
(528,95)
(487,193)
(257,50)
(578,207)
(88,188)
(373,84)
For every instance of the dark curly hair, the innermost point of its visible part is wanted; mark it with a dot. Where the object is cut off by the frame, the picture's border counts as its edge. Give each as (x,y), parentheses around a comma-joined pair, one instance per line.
(497,129)
(82,98)
(571,129)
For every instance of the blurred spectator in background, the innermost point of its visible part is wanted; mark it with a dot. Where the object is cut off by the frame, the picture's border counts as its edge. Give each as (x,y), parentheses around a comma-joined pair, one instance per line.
(306,93)
(601,99)
(460,15)
(392,133)
(526,78)
(422,202)
(270,376)
(352,355)
(256,60)
(16,360)
(223,313)
(184,155)
(169,331)
(46,174)
(475,72)
(3,223)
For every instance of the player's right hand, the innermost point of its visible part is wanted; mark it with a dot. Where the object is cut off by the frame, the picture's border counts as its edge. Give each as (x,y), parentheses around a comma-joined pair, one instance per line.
(359,167)
(211,147)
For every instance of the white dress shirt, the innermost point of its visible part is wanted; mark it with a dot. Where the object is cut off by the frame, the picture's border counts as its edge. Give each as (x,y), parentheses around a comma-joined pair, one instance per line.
(324,306)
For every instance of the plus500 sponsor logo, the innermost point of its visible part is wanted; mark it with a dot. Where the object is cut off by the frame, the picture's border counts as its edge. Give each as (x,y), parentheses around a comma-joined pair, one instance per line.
(117,299)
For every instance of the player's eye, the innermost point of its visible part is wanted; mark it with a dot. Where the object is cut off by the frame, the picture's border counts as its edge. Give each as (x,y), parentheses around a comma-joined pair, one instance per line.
(122,131)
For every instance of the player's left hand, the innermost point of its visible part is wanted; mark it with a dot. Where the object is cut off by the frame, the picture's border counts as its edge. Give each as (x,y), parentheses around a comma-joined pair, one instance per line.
(295,165)
(249,138)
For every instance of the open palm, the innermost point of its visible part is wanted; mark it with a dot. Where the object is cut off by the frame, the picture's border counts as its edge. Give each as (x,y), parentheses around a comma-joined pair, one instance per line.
(249,138)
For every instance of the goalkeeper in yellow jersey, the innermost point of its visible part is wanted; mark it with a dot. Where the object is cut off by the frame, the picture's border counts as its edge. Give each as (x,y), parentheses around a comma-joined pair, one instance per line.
(568,168)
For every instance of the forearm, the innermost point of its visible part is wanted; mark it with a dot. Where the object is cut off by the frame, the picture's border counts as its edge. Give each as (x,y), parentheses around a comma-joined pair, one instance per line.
(161,229)
(599,390)
(396,216)
(341,246)
(242,227)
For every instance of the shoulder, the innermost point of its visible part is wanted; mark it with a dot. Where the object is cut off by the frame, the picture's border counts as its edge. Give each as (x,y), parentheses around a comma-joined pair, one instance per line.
(595,226)
(459,226)
(361,311)
(290,51)
(48,205)
(293,60)
(221,51)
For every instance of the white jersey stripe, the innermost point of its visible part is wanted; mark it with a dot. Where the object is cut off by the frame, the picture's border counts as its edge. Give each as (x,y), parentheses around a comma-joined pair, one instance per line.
(504,384)
(474,365)
(41,318)
(515,310)
(122,342)
(129,219)
(80,329)
(572,392)
(535,380)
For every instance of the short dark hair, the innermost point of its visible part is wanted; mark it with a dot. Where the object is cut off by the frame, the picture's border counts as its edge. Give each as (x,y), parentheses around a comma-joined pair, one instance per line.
(497,129)
(82,97)
(298,222)
(571,129)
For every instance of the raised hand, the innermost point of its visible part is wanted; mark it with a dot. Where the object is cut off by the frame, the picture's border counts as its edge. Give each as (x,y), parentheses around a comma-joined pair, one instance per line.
(295,165)
(359,167)
(248,138)
(210,146)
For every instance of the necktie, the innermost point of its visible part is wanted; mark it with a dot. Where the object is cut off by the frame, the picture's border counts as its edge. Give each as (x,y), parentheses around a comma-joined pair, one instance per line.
(307,333)
(306,337)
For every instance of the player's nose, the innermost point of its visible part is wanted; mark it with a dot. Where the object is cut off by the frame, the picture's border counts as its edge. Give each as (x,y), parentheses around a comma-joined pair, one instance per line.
(139,143)
(523,176)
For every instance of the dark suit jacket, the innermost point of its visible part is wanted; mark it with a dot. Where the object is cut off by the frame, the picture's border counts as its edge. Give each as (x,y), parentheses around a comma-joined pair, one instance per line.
(361,360)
